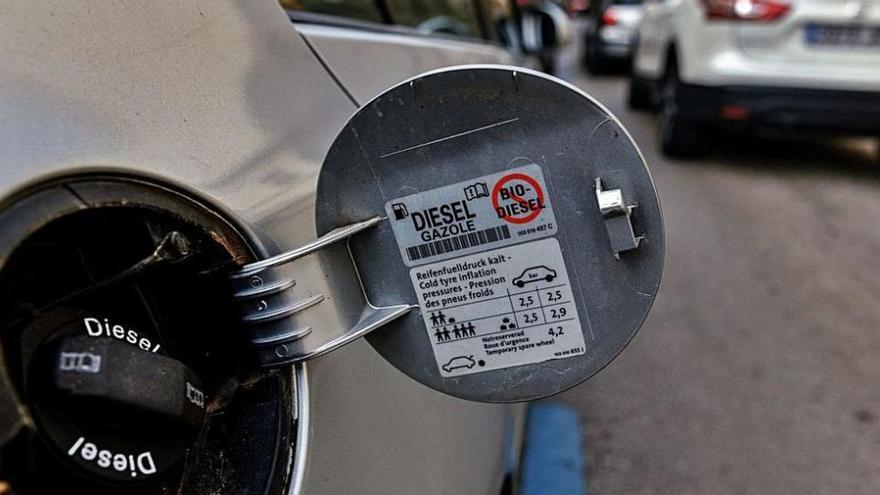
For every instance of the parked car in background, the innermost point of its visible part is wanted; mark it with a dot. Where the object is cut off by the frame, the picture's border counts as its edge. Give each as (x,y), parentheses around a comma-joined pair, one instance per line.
(610,37)
(804,64)
(151,149)
(577,7)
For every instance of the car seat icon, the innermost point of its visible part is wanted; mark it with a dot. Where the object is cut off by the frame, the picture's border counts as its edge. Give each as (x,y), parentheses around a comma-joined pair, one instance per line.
(535,274)
(459,362)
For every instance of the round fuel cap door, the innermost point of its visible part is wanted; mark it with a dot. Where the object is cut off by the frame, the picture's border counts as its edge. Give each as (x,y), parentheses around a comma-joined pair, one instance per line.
(522,227)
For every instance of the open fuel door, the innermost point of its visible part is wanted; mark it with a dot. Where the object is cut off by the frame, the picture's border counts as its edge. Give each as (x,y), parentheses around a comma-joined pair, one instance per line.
(522,228)
(502,226)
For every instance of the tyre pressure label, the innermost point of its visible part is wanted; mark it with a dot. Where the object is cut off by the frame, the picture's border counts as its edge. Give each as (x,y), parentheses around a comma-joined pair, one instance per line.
(471,216)
(498,309)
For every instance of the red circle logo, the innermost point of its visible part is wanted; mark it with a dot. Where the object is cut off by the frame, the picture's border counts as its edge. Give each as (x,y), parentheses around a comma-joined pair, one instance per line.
(531,212)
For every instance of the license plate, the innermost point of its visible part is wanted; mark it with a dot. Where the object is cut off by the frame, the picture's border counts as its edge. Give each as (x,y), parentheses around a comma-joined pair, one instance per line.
(844,36)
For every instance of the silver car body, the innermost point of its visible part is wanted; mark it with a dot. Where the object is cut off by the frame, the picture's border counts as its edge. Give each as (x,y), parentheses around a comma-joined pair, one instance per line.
(228,100)
(620,38)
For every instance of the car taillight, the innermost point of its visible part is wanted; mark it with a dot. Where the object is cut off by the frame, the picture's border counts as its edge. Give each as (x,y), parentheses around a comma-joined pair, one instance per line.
(609,18)
(745,10)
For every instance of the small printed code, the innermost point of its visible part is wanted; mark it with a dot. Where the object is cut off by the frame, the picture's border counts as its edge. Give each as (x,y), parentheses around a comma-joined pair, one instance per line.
(458,243)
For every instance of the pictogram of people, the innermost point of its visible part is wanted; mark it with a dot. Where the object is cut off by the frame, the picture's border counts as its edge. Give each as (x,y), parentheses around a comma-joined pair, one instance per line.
(459,331)
(438,318)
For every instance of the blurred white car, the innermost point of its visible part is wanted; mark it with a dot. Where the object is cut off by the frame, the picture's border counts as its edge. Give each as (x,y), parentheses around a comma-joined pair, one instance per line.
(780,63)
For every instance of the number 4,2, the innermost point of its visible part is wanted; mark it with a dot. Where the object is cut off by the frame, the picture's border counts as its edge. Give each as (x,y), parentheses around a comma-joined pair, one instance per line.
(555,331)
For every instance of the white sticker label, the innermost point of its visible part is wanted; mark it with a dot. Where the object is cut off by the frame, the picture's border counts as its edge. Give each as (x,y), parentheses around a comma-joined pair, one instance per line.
(498,309)
(467,217)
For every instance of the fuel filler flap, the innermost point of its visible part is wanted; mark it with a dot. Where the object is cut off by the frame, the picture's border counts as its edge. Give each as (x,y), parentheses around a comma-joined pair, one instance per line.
(522,228)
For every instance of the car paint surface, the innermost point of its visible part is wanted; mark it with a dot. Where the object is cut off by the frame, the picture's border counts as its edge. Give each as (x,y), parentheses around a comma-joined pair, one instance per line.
(225,100)
(345,51)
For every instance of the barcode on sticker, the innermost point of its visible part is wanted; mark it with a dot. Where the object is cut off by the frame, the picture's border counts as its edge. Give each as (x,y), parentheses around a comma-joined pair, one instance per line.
(458,243)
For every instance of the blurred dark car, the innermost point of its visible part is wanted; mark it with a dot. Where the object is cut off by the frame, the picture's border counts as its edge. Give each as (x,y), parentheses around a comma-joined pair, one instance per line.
(610,38)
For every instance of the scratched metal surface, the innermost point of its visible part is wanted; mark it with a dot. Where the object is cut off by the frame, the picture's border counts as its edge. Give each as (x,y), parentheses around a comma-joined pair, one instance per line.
(456,124)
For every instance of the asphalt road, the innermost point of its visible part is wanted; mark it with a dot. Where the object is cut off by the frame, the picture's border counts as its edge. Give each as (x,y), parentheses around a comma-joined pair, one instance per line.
(758,369)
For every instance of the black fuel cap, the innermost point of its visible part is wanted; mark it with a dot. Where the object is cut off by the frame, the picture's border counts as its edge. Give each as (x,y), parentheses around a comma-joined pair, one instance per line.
(109,378)
(115,410)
